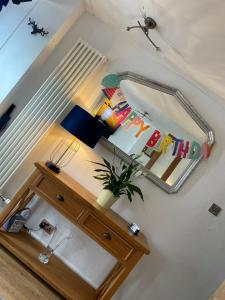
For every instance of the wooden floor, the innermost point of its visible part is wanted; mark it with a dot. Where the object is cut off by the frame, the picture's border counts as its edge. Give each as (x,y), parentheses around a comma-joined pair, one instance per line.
(219,293)
(18,283)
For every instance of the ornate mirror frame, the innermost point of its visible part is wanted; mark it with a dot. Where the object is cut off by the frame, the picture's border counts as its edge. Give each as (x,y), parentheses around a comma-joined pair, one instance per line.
(192,113)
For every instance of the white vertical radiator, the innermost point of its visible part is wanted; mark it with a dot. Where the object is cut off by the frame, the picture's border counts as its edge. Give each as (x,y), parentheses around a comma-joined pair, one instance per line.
(46,106)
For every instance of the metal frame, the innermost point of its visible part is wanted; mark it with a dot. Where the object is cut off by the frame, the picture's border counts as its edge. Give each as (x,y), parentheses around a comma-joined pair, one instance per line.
(189,109)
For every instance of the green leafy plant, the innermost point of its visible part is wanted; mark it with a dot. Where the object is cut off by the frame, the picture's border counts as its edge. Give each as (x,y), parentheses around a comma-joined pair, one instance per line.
(119,178)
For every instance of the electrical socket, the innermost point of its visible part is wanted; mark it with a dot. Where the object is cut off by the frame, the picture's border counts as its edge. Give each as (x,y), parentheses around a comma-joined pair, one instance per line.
(46,226)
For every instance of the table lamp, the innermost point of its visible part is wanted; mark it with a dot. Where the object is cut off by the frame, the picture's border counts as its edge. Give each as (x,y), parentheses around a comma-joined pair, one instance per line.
(82,126)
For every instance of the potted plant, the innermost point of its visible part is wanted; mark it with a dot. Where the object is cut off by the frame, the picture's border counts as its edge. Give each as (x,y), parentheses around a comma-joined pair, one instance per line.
(117,180)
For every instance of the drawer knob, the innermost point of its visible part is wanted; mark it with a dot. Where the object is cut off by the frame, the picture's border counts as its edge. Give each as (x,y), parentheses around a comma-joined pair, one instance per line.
(60,198)
(107,236)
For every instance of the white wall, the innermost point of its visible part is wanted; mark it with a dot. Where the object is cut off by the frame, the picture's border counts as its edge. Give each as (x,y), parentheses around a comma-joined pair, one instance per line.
(187,243)
(18,48)
(187,33)
(11,16)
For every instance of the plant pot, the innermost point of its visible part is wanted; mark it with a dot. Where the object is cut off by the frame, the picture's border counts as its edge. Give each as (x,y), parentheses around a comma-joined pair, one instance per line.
(106,199)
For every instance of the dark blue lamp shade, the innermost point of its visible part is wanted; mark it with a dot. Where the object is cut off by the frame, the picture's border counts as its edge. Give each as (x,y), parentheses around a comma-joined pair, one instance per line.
(83,126)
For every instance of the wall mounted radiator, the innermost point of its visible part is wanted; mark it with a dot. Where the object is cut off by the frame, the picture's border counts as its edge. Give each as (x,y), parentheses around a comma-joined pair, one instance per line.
(46,106)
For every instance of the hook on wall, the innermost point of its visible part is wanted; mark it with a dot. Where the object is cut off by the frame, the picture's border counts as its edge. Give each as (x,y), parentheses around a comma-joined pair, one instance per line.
(36,29)
(149,23)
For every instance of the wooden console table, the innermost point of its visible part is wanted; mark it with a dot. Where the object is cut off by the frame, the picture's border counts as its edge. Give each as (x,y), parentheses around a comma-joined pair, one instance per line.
(107,228)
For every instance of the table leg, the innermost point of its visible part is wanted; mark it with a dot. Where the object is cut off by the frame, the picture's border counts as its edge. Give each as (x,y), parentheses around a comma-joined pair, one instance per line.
(117,276)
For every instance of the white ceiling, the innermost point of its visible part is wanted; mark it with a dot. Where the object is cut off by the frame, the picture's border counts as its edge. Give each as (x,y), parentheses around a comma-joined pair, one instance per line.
(191,34)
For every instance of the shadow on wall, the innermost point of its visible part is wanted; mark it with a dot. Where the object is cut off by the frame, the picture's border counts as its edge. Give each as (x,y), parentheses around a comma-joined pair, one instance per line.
(142,276)
(149,267)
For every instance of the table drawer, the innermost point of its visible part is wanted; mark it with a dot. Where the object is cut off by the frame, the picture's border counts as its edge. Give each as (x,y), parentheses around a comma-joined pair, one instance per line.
(107,237)
(59,197)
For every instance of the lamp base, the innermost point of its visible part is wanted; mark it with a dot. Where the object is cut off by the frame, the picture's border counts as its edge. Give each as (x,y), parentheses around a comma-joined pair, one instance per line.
(52,167)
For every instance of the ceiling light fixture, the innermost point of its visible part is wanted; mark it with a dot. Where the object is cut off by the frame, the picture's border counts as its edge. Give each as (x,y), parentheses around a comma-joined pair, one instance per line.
(149,23)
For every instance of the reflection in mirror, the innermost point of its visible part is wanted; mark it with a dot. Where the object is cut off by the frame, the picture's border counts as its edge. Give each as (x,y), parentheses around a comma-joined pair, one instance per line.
(157,123)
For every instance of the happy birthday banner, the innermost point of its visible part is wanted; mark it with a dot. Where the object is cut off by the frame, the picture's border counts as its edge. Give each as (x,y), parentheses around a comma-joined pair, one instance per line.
(117,112)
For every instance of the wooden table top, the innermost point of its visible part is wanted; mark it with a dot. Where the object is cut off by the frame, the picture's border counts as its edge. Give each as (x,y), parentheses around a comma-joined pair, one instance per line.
(83,194)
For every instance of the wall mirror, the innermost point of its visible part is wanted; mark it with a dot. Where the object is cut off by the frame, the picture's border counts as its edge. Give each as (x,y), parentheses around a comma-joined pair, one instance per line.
(157,123)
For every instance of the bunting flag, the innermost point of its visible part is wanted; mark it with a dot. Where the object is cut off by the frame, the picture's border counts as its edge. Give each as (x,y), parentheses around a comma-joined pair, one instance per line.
(111,80)
(117,112)
(109,92)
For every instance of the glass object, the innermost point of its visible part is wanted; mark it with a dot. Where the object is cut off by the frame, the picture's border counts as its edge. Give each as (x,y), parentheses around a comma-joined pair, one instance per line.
(64,152)
(57,239)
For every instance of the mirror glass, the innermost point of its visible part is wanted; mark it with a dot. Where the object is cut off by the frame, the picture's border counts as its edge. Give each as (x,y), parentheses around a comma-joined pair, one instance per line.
(159,125)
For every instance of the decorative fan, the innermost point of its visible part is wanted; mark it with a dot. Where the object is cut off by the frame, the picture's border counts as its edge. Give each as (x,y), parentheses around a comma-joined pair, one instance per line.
(6,2)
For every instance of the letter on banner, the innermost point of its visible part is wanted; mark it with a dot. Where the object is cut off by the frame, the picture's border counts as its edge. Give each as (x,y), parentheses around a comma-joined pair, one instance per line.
(122,115)
(205,150)
(176,143)
(154,138)
(195,151)
(183,149)
(129,119)
(135,122)
(120,106)
(143,127)
(167,140)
